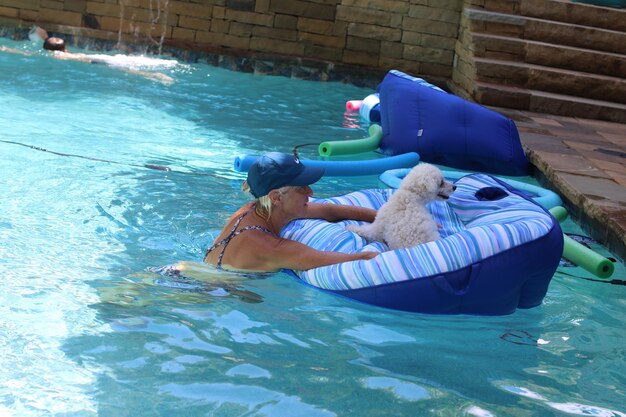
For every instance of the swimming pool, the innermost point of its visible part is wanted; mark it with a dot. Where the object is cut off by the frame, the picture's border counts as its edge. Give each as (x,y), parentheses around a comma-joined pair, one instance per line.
(85,330)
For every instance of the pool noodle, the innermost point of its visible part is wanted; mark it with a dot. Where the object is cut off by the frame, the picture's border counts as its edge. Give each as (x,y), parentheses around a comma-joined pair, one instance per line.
(353,105)
(587,259)
(348,147)
(559,213)
(581,255)
(346,168)
(545,198)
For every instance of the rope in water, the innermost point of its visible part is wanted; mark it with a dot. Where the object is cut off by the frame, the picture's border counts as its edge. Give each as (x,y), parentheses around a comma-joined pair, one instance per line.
(148,166)
(294,151)
(612,282)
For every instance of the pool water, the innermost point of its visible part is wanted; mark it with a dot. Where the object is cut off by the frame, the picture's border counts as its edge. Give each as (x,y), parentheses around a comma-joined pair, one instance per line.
(86,330)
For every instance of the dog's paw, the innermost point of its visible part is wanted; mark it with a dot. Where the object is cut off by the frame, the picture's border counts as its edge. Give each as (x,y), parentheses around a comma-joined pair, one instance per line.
(354,228)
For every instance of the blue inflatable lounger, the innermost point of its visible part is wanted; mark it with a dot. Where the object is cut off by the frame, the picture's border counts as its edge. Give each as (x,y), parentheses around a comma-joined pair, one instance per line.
(498,252)
(445,129)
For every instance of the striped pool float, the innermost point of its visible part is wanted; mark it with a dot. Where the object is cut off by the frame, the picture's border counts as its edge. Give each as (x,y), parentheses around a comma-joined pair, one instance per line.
(494,255)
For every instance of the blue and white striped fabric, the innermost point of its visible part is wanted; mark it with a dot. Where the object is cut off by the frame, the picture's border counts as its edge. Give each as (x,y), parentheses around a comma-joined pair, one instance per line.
(473,230)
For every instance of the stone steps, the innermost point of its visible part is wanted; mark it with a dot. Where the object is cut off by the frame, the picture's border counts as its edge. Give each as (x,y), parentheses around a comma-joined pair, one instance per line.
(563,11)
(551,80)
(550,55)
(547,31)
(550,103)
(576,13)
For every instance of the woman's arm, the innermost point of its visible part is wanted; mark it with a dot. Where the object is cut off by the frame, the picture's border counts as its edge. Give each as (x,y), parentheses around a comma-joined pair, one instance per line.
(338,212)
(262,252)
(295,255)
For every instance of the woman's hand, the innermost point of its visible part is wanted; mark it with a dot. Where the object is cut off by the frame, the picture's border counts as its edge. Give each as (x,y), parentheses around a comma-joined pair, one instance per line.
(364,256)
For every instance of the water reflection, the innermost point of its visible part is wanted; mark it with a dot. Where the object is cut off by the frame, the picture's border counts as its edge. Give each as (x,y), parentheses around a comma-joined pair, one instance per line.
(566,407)
(232,399)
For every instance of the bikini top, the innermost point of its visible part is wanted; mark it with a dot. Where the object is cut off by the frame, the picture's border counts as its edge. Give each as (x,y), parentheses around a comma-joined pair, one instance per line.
(230,237)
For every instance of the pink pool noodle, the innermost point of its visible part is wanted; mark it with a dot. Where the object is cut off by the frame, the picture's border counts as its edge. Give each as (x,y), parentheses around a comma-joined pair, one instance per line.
(353,105)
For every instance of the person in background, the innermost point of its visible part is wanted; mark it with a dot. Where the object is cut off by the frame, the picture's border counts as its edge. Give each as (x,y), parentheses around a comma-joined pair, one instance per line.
(60,51)
(281,185)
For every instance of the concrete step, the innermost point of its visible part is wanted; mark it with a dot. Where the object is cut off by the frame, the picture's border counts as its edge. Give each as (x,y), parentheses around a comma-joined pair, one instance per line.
(552,80)
(563,11)
(547,31)
(490,94)
(576,13)
(549,55)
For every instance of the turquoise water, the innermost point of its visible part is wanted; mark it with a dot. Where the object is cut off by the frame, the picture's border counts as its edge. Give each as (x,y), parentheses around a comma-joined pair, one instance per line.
(86,331)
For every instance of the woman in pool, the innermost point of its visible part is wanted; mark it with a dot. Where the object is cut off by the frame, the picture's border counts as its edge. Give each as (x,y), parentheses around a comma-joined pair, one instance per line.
(280,184)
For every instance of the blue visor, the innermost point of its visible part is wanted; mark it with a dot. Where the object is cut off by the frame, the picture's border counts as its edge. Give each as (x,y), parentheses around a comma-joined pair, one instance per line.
(275,170)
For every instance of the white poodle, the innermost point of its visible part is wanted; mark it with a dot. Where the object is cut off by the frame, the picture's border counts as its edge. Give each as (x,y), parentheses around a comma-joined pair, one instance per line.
(404,221)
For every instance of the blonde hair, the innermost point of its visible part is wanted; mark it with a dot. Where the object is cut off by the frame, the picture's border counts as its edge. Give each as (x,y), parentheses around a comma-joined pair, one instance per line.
(263,204)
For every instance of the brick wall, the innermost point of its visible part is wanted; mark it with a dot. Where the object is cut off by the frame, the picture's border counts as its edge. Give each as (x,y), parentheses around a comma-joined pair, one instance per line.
(417,36)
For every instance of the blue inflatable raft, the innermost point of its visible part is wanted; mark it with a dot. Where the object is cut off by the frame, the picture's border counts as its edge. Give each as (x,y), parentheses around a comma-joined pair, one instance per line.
(445,129)
(497,253)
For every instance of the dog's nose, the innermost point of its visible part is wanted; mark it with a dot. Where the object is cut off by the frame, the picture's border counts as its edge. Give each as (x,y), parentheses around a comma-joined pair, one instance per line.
(454,188)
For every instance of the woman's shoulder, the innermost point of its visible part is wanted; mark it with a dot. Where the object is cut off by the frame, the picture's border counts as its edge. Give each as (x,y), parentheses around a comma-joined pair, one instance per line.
(243,209)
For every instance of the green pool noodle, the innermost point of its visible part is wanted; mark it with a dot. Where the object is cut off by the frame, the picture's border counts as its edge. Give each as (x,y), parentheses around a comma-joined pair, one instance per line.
(581,255)
(559,213)
(349,147)
(587,259)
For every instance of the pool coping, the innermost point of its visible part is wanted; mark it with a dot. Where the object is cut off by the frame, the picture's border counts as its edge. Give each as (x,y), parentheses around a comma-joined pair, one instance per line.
(584,161)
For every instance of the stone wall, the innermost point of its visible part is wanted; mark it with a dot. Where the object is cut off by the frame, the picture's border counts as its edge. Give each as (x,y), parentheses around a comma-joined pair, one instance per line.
(417,36)
(464,70)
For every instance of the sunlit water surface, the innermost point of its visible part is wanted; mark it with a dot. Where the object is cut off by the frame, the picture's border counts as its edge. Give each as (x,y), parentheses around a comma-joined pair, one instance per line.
(85,330)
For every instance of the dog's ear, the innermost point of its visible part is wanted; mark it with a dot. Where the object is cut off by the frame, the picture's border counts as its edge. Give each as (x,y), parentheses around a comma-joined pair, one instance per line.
(432,181)
(439,183)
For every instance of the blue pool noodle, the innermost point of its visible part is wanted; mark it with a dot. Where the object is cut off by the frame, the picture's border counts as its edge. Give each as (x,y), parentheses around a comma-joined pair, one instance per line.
(545,198)
(346,168)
